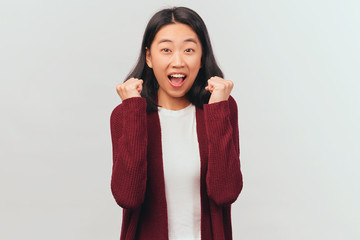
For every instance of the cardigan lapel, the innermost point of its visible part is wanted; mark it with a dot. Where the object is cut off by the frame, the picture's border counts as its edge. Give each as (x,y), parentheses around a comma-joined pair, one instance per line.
(154,210)
(202,139)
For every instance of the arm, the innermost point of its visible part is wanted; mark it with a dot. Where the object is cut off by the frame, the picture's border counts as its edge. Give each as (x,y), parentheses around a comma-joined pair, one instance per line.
(224,178)
(128,125)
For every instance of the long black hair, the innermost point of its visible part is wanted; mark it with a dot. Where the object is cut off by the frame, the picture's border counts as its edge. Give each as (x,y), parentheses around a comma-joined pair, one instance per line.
(197,94)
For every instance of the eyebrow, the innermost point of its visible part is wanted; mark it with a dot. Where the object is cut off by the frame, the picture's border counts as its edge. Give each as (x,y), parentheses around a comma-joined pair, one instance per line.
(186,40)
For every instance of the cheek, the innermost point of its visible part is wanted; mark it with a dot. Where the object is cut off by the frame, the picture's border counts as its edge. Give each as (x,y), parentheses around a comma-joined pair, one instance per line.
(195,63)
(159,69)
(159,64)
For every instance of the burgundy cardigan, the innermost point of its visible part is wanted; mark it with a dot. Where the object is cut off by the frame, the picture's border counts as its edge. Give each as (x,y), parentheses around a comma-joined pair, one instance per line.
(137,181)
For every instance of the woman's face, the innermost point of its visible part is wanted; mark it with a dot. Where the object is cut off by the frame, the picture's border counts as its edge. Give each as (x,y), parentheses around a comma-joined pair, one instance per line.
(175,57)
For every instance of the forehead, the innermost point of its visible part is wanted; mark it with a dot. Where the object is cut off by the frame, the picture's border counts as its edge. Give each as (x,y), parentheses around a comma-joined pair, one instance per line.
(177,32)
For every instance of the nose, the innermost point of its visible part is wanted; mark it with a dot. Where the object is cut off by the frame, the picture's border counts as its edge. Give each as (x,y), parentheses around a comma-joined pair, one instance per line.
(177,60)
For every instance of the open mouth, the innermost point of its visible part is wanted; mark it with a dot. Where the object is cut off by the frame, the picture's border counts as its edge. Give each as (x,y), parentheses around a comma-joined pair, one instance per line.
(177,80)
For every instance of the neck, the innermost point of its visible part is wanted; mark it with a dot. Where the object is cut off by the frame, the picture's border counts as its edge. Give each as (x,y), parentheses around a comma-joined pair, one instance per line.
(172,103)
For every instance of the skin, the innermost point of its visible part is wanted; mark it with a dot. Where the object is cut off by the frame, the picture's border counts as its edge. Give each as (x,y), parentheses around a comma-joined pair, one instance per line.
(175,49)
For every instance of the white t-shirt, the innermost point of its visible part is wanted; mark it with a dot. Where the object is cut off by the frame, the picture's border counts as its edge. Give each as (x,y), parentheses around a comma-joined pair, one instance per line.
(181,161)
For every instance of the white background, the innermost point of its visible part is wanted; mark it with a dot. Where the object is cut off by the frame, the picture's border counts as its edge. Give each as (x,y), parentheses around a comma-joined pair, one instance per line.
(295,65)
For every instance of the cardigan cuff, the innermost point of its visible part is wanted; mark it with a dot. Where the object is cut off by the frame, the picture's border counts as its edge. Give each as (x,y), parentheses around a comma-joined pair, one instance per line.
(218,110)
(134,103)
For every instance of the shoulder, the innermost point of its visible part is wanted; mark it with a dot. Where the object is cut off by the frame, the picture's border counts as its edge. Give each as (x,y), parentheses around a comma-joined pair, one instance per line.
(116,112)
(232,104)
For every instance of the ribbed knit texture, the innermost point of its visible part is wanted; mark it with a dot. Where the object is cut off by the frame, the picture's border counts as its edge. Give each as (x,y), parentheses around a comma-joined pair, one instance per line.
(137,181)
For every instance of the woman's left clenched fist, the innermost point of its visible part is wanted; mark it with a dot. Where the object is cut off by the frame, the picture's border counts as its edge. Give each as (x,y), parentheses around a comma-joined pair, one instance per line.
(219,88)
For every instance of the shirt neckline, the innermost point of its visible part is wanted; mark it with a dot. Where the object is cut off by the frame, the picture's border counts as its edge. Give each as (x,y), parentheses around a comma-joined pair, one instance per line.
(176,112)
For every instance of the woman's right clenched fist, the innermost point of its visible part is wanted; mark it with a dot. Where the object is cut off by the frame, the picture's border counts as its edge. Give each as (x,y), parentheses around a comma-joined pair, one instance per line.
(131,88)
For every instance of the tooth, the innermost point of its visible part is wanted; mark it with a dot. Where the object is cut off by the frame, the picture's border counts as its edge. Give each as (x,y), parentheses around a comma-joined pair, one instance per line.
(177,75)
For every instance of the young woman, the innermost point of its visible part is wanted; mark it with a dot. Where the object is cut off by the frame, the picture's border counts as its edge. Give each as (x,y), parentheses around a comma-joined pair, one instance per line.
(176,168)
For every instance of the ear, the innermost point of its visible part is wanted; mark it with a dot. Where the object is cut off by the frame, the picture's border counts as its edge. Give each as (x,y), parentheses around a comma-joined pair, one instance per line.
(148,57)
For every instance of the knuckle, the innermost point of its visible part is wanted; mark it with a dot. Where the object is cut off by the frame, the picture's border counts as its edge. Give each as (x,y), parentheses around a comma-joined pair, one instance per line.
(120,87)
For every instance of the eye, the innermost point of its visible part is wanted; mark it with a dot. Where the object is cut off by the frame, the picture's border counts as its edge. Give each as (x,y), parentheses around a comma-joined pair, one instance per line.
(166,50)
(189,50)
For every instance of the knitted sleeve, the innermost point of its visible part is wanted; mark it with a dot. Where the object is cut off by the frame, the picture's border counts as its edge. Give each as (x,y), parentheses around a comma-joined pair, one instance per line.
(128,125)
(224,178)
